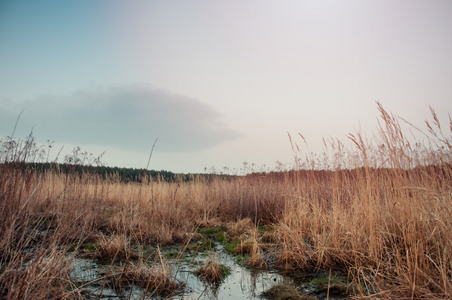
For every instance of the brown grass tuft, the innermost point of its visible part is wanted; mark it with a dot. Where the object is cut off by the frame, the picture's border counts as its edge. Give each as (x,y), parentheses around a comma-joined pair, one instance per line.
(156,281)
(212,271)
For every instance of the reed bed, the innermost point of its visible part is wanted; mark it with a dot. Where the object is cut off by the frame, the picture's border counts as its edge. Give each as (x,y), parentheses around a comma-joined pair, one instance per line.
(382,210)
(386,217)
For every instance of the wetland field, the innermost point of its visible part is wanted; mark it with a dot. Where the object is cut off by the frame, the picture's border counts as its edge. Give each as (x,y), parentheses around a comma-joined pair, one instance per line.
(370,221)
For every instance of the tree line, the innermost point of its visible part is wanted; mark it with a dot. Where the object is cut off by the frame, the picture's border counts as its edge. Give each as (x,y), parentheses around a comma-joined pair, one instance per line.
(122,174)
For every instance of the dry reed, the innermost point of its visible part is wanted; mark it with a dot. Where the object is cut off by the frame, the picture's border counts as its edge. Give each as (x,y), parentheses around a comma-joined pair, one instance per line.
(381,210)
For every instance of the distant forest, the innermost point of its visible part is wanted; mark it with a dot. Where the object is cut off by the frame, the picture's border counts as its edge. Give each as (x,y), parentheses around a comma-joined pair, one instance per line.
(122,174)
(126,175)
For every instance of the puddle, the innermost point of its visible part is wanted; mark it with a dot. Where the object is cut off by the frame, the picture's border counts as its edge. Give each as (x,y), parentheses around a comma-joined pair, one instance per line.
(241,283)
(87,274)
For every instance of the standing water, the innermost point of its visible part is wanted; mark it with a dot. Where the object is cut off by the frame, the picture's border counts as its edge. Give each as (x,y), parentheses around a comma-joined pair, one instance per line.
(240,283)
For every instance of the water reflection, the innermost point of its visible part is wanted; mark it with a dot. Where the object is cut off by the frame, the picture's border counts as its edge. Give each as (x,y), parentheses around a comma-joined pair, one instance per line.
(241,283)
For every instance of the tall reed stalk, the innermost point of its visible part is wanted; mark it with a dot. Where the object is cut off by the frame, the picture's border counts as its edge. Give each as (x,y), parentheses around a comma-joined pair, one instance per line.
(381,210)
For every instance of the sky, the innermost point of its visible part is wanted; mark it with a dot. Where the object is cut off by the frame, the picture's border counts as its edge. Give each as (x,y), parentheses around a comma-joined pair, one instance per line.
(218,83)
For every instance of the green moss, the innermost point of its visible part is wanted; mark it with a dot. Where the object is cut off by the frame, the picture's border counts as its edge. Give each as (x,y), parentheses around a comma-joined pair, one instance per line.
(240,258)
(218,233)
(201,244)
(225,271)
(222,237)
(213,230)
(205,244)
(232,247)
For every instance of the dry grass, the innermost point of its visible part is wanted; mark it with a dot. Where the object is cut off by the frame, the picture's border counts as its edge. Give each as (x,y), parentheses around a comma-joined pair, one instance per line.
(211,271)
(155,280)
(254,250)
(240,227)
(114,247)
(382,210)
(44,278)
(387,221)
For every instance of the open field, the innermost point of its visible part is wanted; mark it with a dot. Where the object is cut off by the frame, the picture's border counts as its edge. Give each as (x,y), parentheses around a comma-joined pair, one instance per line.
(381,211)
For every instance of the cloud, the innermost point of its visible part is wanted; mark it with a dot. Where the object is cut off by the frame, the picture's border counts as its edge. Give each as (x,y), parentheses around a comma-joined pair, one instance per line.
(127,117)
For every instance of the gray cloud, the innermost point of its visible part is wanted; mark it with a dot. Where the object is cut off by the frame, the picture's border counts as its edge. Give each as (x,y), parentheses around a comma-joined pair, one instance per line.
(128,117)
